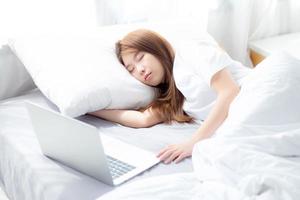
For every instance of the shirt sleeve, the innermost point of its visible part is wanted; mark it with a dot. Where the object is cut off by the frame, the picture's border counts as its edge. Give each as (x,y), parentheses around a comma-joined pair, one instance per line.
(204,57)
(212,59)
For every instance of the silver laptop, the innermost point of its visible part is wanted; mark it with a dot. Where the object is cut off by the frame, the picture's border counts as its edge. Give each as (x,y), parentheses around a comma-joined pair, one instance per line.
(79,146)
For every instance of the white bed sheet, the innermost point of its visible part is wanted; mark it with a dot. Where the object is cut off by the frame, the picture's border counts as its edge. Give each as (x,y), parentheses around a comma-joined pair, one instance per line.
(28,175)
(254,155)
(3,196)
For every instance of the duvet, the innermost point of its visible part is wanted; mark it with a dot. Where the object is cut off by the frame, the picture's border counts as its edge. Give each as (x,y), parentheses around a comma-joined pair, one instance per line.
(255,154)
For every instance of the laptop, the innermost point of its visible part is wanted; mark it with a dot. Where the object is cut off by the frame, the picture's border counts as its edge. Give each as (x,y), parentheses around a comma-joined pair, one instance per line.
(83,147)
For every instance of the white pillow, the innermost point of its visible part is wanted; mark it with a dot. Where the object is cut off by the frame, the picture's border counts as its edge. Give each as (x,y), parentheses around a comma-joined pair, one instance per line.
(15,79)
(80,72)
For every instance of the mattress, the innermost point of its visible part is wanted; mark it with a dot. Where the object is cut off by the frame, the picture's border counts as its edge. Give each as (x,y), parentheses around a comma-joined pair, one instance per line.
(27,174)
(253,155)
(2,194)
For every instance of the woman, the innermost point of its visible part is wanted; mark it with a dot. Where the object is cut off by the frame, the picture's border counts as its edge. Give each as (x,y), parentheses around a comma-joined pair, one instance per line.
(196,83)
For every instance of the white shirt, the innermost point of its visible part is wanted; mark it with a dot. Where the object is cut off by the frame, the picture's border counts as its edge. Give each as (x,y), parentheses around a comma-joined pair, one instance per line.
(195,64)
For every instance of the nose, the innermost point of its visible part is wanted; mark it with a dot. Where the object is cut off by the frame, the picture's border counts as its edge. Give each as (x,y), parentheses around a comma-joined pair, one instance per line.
(140,68)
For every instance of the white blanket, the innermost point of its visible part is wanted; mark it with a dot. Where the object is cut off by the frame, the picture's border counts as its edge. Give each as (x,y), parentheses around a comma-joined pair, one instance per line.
(254,155)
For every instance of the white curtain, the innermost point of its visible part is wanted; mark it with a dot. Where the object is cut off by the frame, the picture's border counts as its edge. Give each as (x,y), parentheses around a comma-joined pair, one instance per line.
(131,11)
(18,17)
(233,23)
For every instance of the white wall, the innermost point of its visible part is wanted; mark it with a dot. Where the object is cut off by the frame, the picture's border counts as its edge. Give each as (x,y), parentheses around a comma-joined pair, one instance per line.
(232,22)
(131,11)
(29,16)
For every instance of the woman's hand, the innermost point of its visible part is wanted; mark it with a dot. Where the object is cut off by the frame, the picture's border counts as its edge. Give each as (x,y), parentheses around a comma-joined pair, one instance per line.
(176,152)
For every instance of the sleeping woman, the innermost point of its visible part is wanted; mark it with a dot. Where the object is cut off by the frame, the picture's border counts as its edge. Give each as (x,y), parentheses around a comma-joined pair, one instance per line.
(196,82)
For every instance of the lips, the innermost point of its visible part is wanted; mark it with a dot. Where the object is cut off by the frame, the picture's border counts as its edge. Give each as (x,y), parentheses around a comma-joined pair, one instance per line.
(146,77)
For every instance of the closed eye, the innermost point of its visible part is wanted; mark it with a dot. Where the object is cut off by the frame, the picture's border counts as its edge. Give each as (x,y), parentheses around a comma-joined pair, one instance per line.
(130,68)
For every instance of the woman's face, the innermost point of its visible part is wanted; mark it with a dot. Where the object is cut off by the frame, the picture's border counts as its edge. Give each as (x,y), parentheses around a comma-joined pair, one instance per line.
(144,67)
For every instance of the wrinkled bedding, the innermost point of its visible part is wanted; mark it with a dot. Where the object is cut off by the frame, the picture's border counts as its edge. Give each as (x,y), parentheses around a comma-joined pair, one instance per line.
(255,154)
(27,174)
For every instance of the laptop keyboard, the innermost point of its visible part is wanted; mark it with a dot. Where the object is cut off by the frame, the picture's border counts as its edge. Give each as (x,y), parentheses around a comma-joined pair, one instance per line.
(117,167)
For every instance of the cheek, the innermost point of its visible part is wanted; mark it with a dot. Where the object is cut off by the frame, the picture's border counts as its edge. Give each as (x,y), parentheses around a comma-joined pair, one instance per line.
(134,75)
(160,69)
(150,61)
(137,76)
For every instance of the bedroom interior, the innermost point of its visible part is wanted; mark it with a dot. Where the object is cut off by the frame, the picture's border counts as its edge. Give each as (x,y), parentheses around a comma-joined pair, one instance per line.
(50,53)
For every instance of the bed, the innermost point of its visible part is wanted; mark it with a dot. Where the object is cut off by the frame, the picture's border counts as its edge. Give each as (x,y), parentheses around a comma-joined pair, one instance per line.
(24,171)
(27,174)
(253,155)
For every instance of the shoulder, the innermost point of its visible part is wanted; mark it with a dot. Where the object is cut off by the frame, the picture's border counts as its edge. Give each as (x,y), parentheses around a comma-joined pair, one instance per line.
(202,58)
(184,63)
(195,48)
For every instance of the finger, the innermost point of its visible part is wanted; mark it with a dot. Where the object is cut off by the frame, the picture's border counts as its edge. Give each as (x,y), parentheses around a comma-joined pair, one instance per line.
(165,155)
(179,158)
(164,150)
(172,157)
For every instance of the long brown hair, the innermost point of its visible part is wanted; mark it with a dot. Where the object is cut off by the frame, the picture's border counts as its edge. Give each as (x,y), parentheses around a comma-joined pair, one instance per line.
(169,102)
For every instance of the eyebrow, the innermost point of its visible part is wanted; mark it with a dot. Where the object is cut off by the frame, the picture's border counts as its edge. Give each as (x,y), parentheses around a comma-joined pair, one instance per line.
(135,54)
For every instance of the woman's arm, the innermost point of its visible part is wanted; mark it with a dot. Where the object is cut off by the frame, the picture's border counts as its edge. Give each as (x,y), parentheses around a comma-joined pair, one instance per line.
(227,89)
(131,118)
